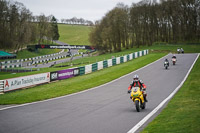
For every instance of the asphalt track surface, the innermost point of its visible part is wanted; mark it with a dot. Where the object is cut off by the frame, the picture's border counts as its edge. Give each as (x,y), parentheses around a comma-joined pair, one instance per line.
(104,109)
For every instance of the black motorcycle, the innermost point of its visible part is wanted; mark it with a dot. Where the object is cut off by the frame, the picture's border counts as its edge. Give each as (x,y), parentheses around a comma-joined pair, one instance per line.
(166,64)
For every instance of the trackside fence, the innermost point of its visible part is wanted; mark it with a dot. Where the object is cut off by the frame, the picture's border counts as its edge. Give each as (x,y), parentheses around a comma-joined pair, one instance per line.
(31,80)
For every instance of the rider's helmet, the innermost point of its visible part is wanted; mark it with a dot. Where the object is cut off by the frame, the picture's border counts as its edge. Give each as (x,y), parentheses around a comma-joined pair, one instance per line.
(166,59)
(136,77)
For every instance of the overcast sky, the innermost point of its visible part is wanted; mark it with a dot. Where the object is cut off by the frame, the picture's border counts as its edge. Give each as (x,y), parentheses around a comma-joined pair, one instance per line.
(88,9)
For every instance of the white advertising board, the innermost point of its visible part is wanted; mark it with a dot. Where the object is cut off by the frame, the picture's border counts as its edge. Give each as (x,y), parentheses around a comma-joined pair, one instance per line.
(130,56)
(125,58)
(118,60)
(21,82)
(88,69)
(136,54)
(140,53)
(109,62)
(100,65)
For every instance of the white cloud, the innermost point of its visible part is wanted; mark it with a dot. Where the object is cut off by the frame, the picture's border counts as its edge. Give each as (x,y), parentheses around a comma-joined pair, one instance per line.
(87,9)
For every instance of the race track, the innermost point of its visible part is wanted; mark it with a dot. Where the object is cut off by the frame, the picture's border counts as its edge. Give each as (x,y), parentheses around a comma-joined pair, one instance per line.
(104,109)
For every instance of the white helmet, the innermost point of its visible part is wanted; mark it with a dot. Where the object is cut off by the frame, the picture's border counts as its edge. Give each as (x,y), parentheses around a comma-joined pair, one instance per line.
(136,77)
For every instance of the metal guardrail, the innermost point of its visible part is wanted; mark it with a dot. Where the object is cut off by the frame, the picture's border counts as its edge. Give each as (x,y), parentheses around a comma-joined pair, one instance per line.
(1,86)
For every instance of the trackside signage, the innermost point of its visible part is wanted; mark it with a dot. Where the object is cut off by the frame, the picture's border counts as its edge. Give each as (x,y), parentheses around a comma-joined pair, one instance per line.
(26,81)
(64,74)
(64,46)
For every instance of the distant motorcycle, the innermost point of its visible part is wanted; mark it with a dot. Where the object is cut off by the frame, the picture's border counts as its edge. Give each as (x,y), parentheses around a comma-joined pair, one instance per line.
(137,98)
(166,64)
(182,51)
(174,61)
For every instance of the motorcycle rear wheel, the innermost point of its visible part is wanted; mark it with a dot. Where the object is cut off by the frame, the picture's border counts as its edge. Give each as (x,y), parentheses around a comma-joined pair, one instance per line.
(144,105)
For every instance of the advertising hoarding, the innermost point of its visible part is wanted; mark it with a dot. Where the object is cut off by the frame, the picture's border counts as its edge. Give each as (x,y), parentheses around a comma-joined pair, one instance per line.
(64,74)
(25,81)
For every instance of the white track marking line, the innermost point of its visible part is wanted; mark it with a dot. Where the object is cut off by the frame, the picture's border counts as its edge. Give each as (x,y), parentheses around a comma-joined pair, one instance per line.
(84,90)
(137,126)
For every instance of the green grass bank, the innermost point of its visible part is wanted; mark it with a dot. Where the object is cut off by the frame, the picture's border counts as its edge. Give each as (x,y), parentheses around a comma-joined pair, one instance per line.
(74,34)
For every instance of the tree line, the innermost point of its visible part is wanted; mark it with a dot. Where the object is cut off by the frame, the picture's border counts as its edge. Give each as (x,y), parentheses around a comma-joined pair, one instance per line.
(146,22)
(78,21)
(18,27)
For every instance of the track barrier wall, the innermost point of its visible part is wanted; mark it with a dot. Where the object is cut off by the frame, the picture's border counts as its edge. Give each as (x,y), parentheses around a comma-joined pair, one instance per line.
(31,80)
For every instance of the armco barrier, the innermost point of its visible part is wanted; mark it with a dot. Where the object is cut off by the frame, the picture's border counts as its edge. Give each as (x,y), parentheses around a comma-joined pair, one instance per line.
(121,59)
(105,64)
(22,60)
(94,67)
(100,65)
(88,68)
(27,81)
(110,62)
(82,70)
(114,61)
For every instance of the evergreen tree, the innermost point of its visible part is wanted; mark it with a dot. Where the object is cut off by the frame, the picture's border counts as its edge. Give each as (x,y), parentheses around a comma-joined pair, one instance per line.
(54,28)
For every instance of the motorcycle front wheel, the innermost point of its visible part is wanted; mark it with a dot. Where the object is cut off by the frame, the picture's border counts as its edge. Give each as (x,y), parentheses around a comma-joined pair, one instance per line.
(137,105)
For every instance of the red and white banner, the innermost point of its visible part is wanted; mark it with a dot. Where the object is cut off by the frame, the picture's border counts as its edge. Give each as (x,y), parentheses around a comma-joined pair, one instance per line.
(26,81)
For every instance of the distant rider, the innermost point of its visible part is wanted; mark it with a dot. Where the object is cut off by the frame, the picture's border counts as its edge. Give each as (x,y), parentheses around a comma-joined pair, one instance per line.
(166,60)
(174,56)
(182,51)
(138,83)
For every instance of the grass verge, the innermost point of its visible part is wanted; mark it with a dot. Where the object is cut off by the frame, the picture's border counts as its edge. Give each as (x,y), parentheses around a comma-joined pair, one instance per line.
(182,114)
(74,34)
(76,84)
(27,54)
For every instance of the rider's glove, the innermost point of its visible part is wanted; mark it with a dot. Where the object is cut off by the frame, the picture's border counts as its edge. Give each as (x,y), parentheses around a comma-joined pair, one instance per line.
(129,91)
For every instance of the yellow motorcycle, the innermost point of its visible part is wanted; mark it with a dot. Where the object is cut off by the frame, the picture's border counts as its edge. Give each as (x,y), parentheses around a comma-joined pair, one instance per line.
(138,98)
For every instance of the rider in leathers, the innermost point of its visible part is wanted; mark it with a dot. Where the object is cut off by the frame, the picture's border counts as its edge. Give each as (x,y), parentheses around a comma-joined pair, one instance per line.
(138,83)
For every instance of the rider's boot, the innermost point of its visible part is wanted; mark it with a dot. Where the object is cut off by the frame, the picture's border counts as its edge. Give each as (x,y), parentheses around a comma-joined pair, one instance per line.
(145,98)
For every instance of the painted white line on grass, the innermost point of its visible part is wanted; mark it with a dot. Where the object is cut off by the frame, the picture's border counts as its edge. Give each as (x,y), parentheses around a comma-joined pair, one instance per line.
(84,90)
(137,126)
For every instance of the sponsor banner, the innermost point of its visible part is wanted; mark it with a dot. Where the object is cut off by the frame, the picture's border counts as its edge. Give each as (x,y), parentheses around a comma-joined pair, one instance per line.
(26,81)
(53,76)
(65,47)
(68,73)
